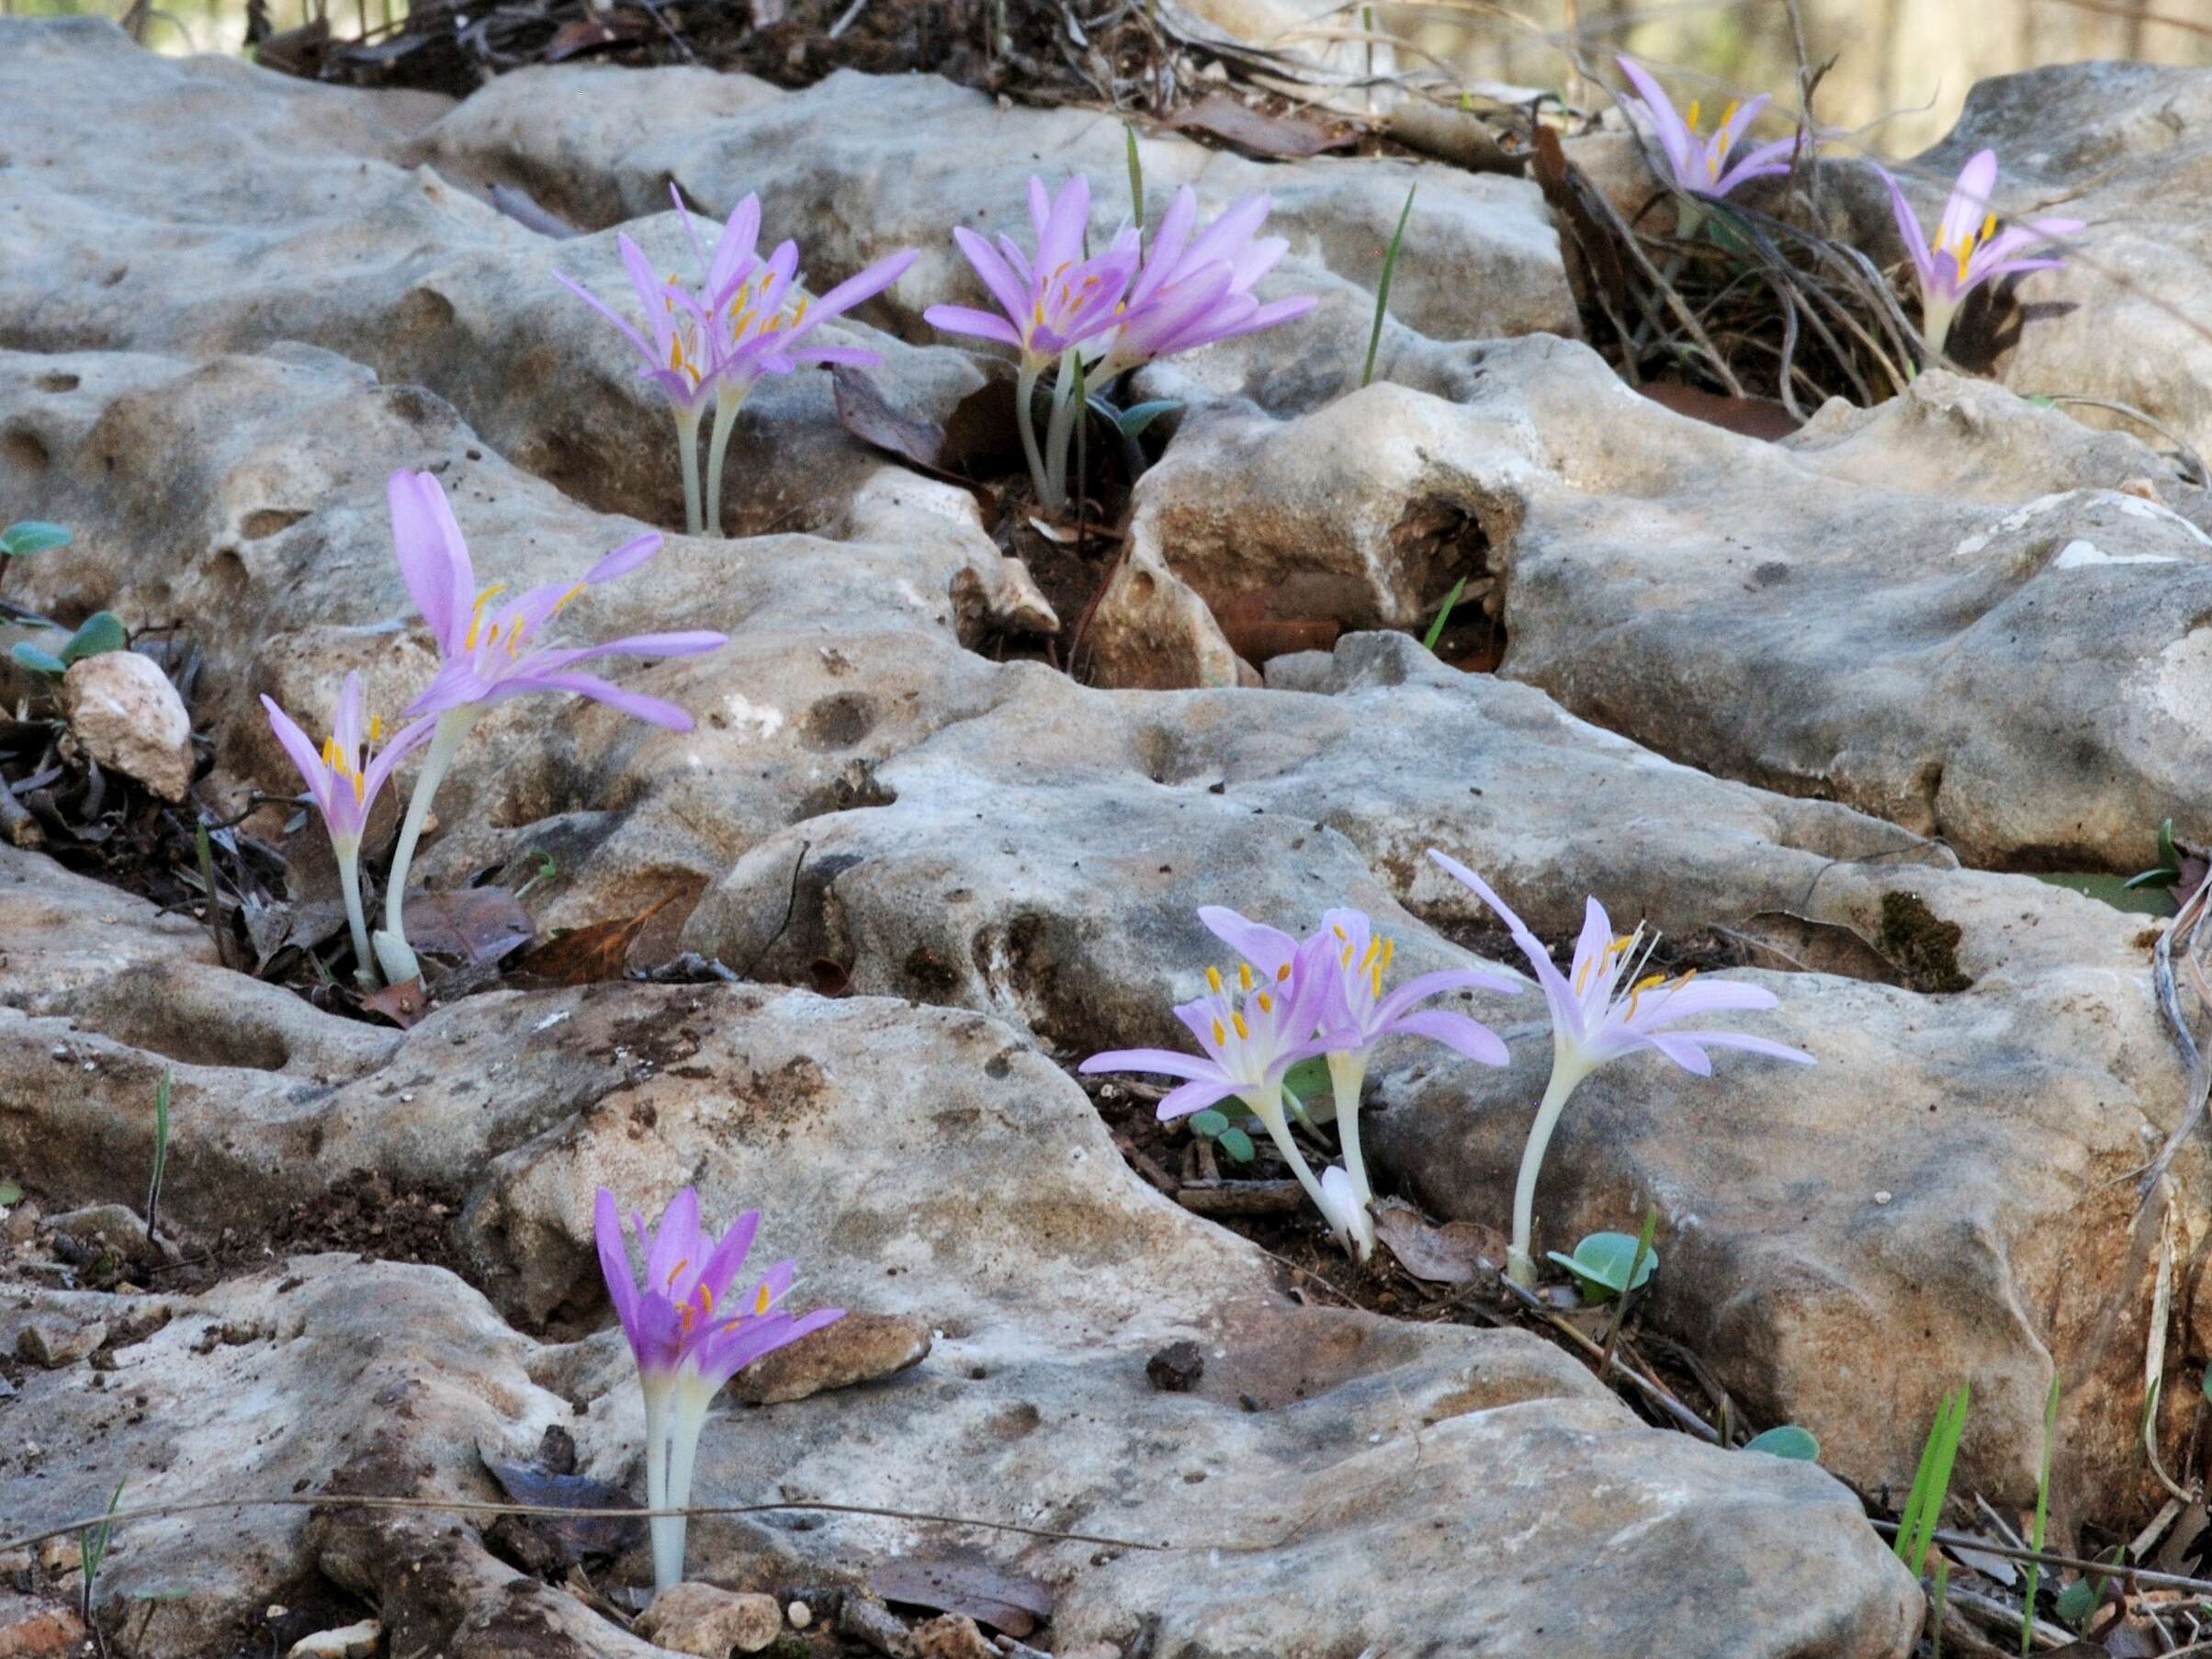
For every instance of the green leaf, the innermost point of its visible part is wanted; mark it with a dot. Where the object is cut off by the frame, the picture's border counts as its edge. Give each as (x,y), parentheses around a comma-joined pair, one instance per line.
(32,656)
(96,635)
(2119,892)
(1389,264)
(1436,629)
(10,1192)
(1136,179)
(2076,1602)
(29,535)
(1137,416)
(1602,1263)
(1209,1122)
(1236,1146)
(1787,1441)
(2036,1532)
(1932,1480)
(1307,1078)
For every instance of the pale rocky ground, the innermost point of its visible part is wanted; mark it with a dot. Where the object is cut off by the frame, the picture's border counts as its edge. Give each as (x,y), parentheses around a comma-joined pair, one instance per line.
(1897,656)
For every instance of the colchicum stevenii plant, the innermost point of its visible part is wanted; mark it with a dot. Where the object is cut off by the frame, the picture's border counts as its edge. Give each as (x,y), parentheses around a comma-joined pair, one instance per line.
(745,321)
(1968,249)
(1251,1031)
(690,1335)
(1101,317)
(1591,1024)
(487,656)
(1357,1014)
(1700,167)
(344,778)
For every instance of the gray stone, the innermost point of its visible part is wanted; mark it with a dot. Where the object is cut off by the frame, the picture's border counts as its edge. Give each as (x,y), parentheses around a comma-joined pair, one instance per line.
(704,1619)
(124,715)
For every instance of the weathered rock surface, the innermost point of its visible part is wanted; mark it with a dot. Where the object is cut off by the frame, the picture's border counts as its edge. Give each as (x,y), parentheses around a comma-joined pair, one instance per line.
(126,716)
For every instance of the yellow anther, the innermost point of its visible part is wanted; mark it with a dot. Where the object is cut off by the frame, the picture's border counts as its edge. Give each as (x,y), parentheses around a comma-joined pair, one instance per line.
(1243,976)
(565,598)
(1283,973)
(1340,933)
(1267,1003)
(1690,117)
(376,728)
(1346,959)
(706,1297)
(360,785)
(1390,949)
(761,1298)
(1626,942)
(1965,254)
(1374,947)
(1220,1036)
(1374,981)
(1213,980)
(329,750)
(678,1268)
(1243,1030)
(1728,114)
(1989,226)
(798,311)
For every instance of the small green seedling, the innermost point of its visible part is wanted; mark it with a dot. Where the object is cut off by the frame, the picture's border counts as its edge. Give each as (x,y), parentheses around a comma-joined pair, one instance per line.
(1136,179)
(96,635)
(1436,629)
(29,535)
(1233,1143)
(1932,1480)
(2034,1532)
(2078,1600)
(92,1550)
(11,1194)
(161,1150)
(1609,1265)
(1389,264)
(1787,1441)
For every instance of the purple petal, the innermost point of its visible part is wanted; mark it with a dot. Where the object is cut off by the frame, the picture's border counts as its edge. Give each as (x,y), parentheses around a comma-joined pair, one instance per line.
(643,347)
(1266,948)
(1424,986)
(1674,136)
(1060,241)
(1456,1032)
(625,558)
(1972,199)
(1909,231)
(1767,161)
(966,319)
(722,1264)
(1734,1039)
(866,286)
(651,710)
(1226,236)
(676,1241)
(733,253)
(1194,1096)
(304,755)
(433,559)
(1165,1062)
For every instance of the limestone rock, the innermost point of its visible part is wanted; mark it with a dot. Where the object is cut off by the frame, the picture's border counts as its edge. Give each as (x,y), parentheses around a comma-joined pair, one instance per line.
(860,1347)
(703,1619)
(32,1628)
(56,1343)
(124,713)
(347,1641)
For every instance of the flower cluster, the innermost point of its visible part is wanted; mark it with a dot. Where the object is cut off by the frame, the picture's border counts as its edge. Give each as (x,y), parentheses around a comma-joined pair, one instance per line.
(689,1333)
(1097,317)
(1968,251)
(1292,999)
(486,654)
(746,319)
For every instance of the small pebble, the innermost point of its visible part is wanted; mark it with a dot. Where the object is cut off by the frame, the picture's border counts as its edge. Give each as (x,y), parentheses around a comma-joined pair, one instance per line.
(1881,1198)
(800,1615)
(349,1642)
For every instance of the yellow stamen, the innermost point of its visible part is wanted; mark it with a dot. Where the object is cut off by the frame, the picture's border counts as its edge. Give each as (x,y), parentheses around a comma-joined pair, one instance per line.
(1243,976)
(376,728)
(761,1299)
(1728,114)
(329,750)
(1375,981)
(475,614)
(1340,933)
(360,785)
(565,598)
(1347,959)
(1220,1036)
(1213,980)
(1283,973)
(1243,1030)
(1373,947)
(1390,949)
(1689,116)
(1989,226)
(678,1268)
(706,1298)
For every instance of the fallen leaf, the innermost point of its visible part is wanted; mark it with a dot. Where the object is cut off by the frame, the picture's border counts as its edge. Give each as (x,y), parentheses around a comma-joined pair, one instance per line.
(1006,1601)
(574,1536)
(1748,417)
(469,924)
(402,1004)
(585,955)
(1456,1253)
(1283,137)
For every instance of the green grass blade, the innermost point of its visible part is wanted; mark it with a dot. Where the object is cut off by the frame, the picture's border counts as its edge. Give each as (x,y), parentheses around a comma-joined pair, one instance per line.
(1436,629)
(2034,1532)
(160,1147)
(1932,1480)
(1136,181)
(1389,264)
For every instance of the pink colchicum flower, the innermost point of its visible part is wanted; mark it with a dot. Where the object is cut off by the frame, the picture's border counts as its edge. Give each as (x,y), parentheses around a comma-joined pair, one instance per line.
(488,657)
(1053,304)
(1968,249)
(1357,1015)
(1250,1035)
(760,324)
(1700,165)
(343,781)
(1191,292)
(1591,1024)
(742,323)
(690,1335)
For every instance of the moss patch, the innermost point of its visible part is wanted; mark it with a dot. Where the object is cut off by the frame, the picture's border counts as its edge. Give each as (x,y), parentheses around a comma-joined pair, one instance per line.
(1920,945)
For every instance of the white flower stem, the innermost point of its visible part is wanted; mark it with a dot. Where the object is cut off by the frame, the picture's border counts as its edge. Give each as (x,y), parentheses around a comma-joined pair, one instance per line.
(349,883)
(393,952)
(1936,324)
(1025,417)
(727,402)
(1347,1073)
(667,1530)
(1062,431)
(1267,1107)
(1520,1265)
(687,456)
(686,1416)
